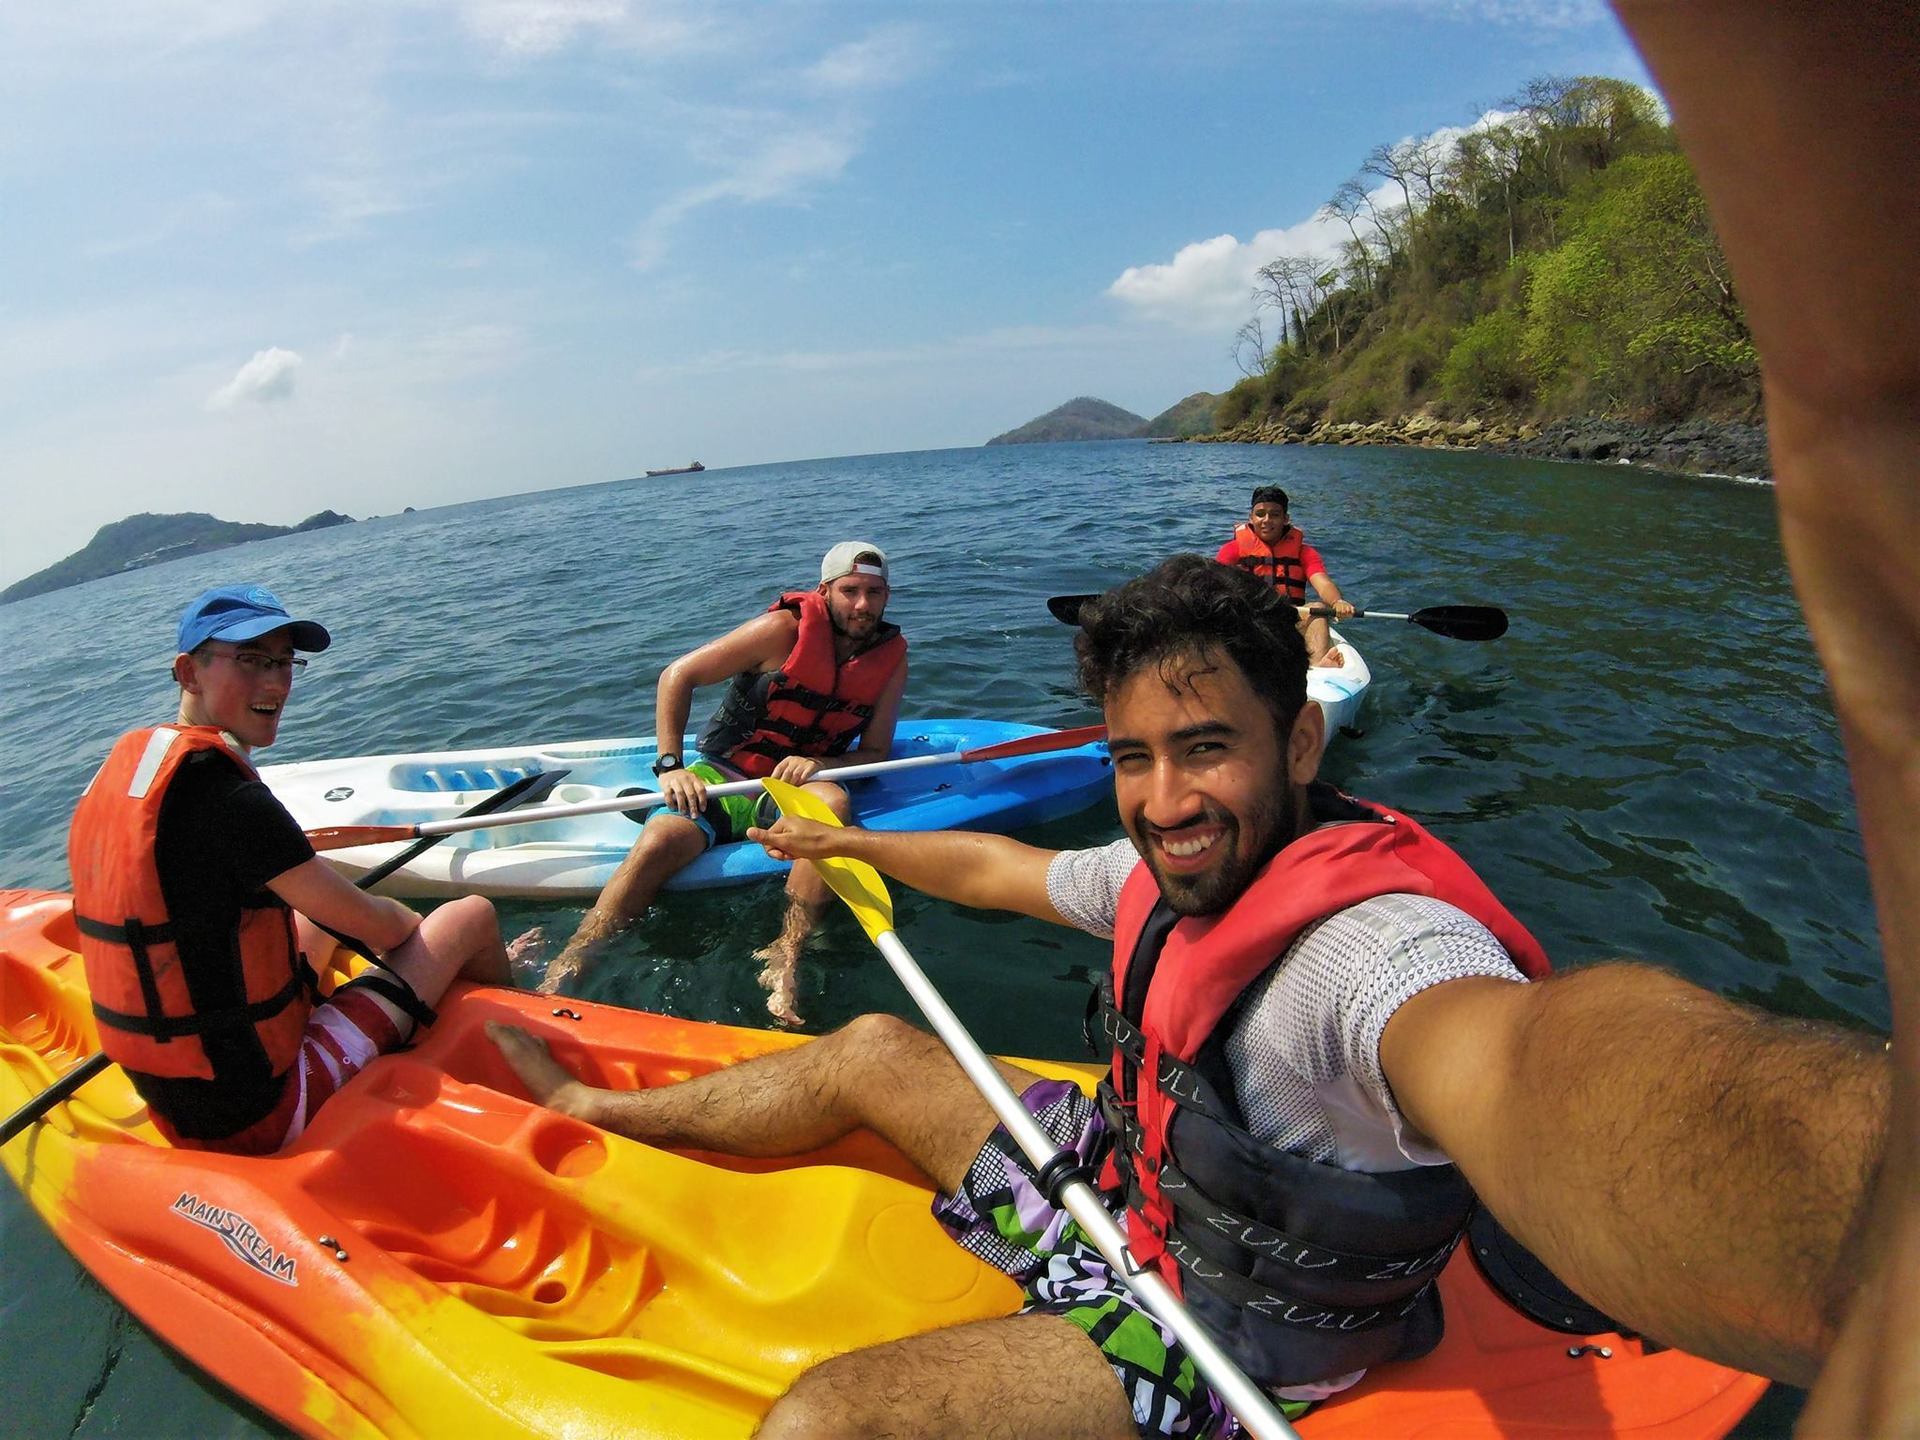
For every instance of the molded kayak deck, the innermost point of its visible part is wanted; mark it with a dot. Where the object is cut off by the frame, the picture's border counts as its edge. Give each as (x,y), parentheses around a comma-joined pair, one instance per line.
(437,1256)
(576,857)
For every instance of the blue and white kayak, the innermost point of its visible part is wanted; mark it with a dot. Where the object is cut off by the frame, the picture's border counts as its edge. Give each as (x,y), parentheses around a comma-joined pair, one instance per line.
(1340,690)
(575,856)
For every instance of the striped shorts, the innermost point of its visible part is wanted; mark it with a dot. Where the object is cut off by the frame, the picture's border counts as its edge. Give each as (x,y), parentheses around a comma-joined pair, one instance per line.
(344,1035)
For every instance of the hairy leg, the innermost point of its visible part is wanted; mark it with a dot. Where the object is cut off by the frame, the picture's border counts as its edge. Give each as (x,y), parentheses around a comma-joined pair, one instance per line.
(667,844)
(876,1073)
(1025,1375)
(808,898)
(1319,637)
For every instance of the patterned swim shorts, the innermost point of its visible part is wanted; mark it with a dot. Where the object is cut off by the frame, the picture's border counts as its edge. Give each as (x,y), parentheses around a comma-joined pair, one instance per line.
(1001,1215)
(726,817)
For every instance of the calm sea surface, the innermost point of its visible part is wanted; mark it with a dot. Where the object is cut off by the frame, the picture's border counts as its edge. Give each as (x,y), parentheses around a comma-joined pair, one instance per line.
(1646,765)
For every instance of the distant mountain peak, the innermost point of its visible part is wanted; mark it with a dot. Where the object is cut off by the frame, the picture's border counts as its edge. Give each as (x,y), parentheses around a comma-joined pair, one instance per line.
(1087,418)
(1081,418)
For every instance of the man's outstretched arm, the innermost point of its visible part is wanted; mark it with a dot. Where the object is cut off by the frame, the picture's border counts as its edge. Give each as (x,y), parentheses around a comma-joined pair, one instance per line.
(983,872)
(1696,1168)
(1794,115)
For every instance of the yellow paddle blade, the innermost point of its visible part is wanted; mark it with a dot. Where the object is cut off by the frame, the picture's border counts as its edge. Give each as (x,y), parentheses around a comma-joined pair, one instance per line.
(855,882)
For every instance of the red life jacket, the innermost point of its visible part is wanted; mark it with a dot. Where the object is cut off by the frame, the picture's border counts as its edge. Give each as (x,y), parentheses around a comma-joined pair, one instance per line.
(1280,566)
(1304,1270)
(135,973)
(814,704)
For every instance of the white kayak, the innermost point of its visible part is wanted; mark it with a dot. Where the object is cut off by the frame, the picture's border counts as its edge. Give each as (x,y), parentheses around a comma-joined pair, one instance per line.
(575,856)
(1340,690)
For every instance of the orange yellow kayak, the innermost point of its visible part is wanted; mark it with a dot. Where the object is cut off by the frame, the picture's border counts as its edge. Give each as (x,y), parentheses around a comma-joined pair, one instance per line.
(438,1256)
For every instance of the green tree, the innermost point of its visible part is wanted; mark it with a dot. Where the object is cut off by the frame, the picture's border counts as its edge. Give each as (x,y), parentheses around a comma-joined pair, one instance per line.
(1636,309)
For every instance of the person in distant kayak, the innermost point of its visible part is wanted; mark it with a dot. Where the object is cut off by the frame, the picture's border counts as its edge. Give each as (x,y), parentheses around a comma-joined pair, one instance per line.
(197,899)
(1326,1039)
(1269,547)
(819,671)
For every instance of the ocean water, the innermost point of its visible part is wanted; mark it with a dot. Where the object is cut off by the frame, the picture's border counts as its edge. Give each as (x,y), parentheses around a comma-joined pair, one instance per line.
(1646,765)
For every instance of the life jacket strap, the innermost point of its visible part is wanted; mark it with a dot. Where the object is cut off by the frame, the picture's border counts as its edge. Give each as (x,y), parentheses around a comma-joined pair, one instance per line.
(391,986)
(162,1028)
(1262,1242)
(1251,1296)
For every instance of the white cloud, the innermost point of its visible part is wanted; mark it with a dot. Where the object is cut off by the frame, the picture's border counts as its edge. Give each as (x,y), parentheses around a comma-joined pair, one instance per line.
(1524,14)
(777,169)
(891,55)
(540,27)
(535,29)
(1209,283)
(267,376)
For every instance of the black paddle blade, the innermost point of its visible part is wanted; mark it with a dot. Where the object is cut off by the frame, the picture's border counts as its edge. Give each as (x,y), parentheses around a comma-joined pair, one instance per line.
(60,1090)
(1066,608)
(1462,622)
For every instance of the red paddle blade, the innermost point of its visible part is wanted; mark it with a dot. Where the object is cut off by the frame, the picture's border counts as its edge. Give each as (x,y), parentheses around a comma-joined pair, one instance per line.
(1037,744)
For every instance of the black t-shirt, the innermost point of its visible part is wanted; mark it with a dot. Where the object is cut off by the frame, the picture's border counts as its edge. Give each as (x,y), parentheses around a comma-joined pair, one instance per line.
(221,837)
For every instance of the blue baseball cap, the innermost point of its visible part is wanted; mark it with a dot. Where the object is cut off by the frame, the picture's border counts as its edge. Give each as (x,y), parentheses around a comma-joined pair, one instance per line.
(245,612)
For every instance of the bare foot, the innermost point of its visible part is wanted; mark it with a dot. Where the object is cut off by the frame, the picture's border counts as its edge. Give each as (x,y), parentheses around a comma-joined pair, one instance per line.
(778,979)
(547,1081)
(525,950)
(1332,660)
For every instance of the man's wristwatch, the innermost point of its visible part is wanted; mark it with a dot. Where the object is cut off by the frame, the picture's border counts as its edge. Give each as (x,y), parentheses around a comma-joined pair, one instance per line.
(666,763)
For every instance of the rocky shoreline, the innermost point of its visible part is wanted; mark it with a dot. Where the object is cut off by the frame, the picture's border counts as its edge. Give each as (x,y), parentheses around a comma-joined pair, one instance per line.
(1692,447)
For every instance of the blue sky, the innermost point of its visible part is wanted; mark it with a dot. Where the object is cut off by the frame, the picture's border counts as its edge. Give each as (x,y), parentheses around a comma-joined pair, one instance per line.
(266,258)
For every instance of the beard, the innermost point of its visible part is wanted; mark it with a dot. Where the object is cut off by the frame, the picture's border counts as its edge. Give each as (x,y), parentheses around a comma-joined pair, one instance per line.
(852,627)
(1268,828)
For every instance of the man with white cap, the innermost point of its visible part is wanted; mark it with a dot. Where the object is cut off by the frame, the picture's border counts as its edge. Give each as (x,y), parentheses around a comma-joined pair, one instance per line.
(198,898)
(817,671)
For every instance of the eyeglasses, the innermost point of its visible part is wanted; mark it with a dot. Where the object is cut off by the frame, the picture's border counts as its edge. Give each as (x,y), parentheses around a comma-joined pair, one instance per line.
(257,662)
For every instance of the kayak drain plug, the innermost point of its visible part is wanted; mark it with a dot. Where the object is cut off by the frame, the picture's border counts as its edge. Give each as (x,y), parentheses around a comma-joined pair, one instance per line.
(339,1252)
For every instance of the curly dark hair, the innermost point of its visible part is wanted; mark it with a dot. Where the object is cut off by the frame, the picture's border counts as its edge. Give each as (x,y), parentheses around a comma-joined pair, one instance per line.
(1183,610)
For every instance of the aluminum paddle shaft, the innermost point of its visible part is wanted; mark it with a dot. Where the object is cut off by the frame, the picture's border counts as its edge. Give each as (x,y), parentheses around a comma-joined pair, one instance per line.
(1250,1403)
(338,837)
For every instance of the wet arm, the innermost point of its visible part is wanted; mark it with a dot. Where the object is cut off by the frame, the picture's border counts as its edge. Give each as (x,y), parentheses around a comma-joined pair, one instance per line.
(1694,1167)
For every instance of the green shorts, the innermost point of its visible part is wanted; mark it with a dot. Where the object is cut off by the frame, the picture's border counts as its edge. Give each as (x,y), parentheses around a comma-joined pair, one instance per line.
(726,817)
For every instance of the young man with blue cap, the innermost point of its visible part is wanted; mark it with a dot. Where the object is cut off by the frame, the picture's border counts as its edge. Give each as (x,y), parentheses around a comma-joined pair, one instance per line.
(197,898)
(813,674)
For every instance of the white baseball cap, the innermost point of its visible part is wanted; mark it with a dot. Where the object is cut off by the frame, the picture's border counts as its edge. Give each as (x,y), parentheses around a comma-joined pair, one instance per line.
(842,560)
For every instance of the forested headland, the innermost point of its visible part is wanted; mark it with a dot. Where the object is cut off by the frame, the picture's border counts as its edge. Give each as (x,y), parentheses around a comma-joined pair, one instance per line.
(1554,260)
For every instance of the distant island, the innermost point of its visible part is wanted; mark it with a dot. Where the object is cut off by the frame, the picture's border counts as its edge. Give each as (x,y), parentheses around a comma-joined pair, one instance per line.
(142,540)
(1085,418)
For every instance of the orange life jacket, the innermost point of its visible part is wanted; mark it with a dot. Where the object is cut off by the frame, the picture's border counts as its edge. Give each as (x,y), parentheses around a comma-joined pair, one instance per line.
(814,704)
(1303,1270)
(1280,565)
(135,972)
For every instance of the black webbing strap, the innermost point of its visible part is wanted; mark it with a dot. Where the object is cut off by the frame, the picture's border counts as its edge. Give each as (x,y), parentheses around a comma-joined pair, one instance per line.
(160,1027)
(391,986)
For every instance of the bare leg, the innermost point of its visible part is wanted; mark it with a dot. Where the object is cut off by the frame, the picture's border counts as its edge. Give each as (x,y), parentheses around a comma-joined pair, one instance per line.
(1319,637)
(460,940)
(1025,1375)
(667,844)
(808,898)
(876,1073)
